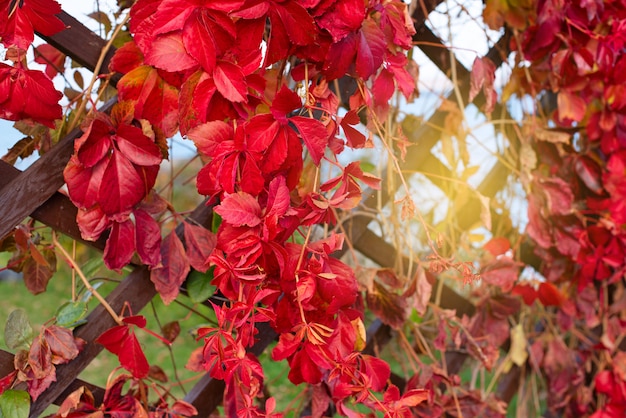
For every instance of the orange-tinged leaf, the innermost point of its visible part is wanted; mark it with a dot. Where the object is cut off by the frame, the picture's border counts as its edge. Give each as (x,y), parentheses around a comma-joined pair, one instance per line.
(571,106)
(62,344)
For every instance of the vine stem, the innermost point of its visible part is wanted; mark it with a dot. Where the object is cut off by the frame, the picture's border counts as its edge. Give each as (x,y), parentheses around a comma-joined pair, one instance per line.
(88,285)
(301,257)
(96,71)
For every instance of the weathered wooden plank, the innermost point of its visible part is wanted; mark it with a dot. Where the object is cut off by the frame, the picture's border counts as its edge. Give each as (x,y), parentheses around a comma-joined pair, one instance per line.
(58,212)
(80,43)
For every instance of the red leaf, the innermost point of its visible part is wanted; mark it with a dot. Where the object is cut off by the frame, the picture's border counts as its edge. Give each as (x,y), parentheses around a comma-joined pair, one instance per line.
(7,381)
(502,273)
(571,106)
(138,320)
(137,147)
(299,25)
(92,222)
(154,98)
(343,18)
(313,134)
(370,49)
(527,292)
(28,94)
(126,59)
(354,138)
(121,341)
(168,53)
(52,58)
(121,187)
(167,279)
(200,243)
(40,358)
(132,357)
(148,238)
(383,88)
(240,209)
(231,82)
(113,338)
(482,77)
(95,143)
(37,274)
(209,135)
(549,295)
(120,245)
(497,246)
(25,18)
(285,102)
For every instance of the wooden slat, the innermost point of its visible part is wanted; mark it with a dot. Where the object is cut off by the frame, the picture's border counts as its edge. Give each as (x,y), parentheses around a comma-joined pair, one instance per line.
(58,212)
(80,43)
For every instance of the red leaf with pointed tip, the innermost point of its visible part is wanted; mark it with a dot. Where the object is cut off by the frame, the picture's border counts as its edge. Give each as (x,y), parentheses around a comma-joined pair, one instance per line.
(83,184)
(168,53)
(18,25)
(138,320)
(137,147)
(95,143)
(240,209)
(571,106)
(126,58)
(167,279)
(147,238)
(502,273)
(231,82)
(370,49)
(200,243)
(28,94)
(52,58)
(497,246)
(482,77)
(208,135)
(285,102)
(7,381)
(155,99)
(549,295)
(120,245)
(355,138)
(121,187)
(343,18)
(122,341)
(92,222)
(313,133)
(299,25)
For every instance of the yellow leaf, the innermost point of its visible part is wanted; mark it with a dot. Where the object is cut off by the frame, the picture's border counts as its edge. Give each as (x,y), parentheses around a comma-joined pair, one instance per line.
(518,352)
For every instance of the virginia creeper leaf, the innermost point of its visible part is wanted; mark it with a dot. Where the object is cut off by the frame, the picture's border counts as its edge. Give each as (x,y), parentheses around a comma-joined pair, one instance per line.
(18,333)
(28,94)
(14,404)
(240,209)
(167,279)
(199,243)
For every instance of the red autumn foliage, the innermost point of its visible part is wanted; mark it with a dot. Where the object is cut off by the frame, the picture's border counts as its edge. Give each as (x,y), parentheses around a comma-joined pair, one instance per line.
(224,74)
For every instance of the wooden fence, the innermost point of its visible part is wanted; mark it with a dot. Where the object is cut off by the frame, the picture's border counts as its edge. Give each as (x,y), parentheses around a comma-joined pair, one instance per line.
(34,193)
